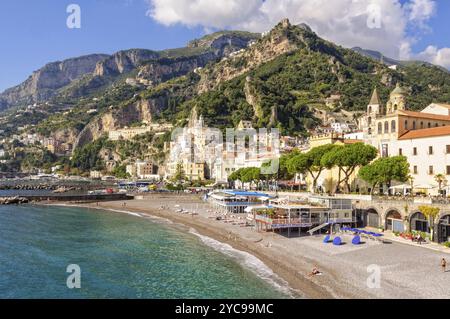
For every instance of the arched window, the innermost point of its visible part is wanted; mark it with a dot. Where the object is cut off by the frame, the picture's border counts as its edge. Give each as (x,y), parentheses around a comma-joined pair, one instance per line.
(395,107)
(370,131)
(429,125)
(436,125)
(393,126)
(380,128)
(406,124)
(369,120)
(369,110)
(386,127)
(421,124)
(414,125)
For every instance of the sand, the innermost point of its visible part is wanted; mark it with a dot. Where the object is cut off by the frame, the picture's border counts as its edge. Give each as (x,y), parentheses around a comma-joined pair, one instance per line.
(405,271)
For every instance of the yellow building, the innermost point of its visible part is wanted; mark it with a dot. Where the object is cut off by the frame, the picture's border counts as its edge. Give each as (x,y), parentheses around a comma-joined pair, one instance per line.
(328,178)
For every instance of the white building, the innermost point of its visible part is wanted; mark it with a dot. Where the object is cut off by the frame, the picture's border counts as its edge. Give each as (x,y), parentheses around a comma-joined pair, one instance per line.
(422,137)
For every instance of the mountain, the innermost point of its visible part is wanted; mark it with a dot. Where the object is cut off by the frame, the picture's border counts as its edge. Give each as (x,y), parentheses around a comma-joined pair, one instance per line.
(283,78)
(83,75)
(43,83)
(378,56)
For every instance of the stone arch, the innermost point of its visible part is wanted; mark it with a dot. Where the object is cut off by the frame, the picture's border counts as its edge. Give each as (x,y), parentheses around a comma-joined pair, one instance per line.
(418,222)
(393,220)
(372,217)
(443,227)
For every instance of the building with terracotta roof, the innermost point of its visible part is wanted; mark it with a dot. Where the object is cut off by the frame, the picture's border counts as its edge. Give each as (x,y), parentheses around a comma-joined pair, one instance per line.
(423,137)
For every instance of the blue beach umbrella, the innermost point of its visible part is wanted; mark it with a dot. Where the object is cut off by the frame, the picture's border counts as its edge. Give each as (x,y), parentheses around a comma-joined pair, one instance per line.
(337,241)
(356,240)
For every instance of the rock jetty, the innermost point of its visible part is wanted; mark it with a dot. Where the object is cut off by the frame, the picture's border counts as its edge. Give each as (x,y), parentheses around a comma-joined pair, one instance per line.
(13,200)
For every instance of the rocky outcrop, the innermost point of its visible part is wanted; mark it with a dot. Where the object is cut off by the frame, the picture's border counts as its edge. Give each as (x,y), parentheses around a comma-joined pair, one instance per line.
(141,110)
(45,82)
(124,61)
(280,40)
(13,200)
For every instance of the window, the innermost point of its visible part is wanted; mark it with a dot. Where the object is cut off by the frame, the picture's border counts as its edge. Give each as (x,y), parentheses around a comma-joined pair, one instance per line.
(430,150)
(406,124)
(415,151)
(429,125)
(414,125)
(436,125)
(421,124)
(448,149)
(448,169)
(380,128)
(430,170)
(393,126)
(415,169)
(400,152)
(369,120)
(386,127)
(370,109)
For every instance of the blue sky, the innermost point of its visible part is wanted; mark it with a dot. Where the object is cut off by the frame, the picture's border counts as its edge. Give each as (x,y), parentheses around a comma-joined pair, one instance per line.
(34,33)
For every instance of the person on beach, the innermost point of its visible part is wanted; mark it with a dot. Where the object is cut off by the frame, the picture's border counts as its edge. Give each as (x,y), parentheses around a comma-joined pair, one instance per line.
(444,265)
(315,272)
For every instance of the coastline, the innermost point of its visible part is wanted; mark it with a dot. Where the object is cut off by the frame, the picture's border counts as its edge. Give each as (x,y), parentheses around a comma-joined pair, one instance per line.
(298,285)
(406,271)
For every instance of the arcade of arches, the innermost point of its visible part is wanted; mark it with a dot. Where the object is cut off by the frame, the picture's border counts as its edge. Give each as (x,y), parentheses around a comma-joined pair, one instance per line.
(394,221)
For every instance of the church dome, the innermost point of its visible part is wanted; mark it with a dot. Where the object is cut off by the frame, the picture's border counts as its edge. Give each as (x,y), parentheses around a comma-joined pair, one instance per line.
(398,90)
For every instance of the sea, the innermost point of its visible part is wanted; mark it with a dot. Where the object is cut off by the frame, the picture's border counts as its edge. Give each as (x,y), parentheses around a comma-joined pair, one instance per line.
(77,253)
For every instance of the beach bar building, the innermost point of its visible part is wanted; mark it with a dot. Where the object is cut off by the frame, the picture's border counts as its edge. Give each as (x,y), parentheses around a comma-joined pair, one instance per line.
(236,201)
(311,214)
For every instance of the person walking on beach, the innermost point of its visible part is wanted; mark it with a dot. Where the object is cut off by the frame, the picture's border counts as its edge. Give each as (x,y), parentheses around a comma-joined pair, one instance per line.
(444,265)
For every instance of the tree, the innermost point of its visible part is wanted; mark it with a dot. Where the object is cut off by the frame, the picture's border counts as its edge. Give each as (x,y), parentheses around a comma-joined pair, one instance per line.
(430,213)
(310,162)
(348,158)
(180,175)
(385,170)
(440,179)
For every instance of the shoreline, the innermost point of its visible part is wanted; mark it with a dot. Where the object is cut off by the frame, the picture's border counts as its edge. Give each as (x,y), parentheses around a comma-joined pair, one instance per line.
(345,269)
(298,285)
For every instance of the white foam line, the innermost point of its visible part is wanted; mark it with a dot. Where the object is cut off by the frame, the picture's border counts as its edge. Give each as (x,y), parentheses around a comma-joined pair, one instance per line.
(249,261)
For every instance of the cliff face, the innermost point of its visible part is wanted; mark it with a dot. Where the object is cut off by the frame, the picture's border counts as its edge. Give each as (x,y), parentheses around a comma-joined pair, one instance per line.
(279,41)
(45,82)
(139,111)
(123,61)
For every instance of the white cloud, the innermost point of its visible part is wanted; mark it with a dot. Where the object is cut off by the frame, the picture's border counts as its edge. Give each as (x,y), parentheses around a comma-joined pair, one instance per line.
(421,10)
(436,56)
(383,25)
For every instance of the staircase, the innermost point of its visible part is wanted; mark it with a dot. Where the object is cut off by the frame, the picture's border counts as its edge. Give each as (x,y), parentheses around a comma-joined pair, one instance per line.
(312,231)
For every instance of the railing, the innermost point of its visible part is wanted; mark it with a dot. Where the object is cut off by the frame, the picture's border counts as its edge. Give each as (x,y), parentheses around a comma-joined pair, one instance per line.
(283,221)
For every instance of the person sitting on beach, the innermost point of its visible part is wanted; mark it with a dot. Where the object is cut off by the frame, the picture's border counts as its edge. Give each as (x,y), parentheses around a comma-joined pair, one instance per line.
(315,272)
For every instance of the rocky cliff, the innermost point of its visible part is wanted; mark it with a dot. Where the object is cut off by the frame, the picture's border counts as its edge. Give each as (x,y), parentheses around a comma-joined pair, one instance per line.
(45,82)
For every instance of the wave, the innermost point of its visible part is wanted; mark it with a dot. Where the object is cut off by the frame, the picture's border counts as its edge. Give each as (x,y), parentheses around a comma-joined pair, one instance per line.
(250,262)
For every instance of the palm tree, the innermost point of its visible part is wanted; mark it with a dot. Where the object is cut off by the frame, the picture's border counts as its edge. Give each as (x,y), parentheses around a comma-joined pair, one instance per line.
(430,214)
(440,179)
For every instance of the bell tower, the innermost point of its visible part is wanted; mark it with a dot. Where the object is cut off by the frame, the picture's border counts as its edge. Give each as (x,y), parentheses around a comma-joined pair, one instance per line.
(397,100)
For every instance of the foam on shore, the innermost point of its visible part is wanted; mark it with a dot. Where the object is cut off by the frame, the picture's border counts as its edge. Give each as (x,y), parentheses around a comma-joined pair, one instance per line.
(250,262)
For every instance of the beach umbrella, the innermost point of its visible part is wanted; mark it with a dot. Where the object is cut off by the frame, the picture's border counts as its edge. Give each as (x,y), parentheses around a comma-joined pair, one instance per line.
(400,187)
(356,240)
(424,186)
(337,241)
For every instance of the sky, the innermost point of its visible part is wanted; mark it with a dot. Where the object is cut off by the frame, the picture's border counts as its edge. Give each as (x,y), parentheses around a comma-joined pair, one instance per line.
(33,33)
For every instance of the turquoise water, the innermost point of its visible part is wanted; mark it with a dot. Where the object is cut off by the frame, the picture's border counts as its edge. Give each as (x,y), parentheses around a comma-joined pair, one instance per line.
(120,256)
